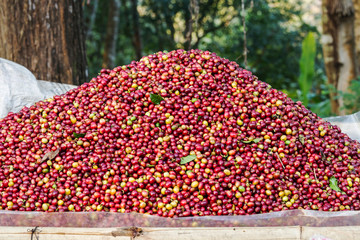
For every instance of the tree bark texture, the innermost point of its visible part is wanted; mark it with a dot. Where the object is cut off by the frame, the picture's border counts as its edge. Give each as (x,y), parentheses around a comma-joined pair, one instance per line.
(112,30)
(46,37)
(339,48)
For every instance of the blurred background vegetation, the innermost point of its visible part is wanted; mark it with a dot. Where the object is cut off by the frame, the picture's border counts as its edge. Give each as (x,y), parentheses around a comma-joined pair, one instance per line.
(274,34)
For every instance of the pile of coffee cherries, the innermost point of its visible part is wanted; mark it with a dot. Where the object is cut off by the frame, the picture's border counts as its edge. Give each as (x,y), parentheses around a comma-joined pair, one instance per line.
(176,134)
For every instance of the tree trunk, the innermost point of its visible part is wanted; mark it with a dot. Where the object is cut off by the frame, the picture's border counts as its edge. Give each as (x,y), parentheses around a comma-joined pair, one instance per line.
(188,30)
(193,19)
(91,20)
(46,37)
(137,36)
(339,48)
(357,32)
(112,30)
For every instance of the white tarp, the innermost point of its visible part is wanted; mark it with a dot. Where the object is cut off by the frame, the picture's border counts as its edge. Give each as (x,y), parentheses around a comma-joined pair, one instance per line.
(20,88)
(349,124)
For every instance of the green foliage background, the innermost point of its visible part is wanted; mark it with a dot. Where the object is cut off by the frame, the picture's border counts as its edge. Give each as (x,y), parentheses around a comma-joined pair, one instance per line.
(275,32)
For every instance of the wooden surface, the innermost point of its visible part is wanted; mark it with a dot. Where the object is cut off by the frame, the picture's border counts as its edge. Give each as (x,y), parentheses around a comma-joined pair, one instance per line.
(46,37)
(333,233)
(248,233)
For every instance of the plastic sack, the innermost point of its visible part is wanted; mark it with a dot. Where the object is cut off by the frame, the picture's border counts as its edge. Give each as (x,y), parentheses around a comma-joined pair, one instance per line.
(19,88)
(349,124)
